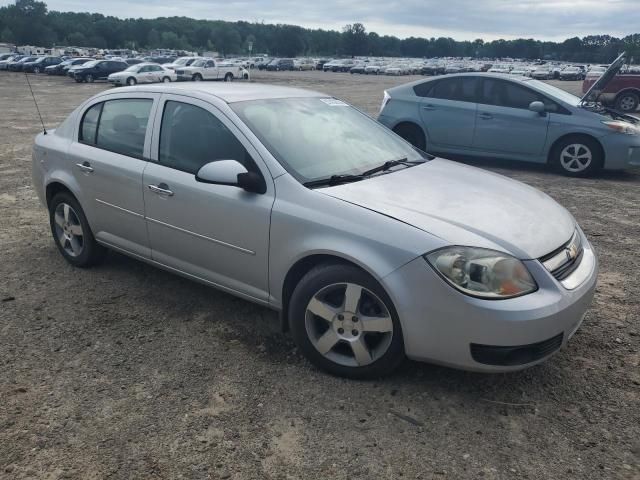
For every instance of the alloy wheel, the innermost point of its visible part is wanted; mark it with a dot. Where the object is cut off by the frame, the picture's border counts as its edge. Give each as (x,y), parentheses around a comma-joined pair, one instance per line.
(68,229)
(348,324)
(576,157)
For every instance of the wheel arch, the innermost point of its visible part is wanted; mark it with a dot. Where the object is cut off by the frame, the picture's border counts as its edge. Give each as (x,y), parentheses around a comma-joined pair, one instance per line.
(303,266)
(55,186)
(574,135)
(635,90)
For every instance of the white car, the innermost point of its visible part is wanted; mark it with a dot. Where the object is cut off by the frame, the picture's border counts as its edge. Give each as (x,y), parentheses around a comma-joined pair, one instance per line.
(181,62)
(208,69)
(142,73)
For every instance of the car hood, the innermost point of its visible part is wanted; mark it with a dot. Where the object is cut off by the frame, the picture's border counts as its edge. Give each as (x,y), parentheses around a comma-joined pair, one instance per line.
(465,205)
(601,83)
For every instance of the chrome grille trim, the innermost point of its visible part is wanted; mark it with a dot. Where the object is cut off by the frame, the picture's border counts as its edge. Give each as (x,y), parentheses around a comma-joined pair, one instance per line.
(563,261)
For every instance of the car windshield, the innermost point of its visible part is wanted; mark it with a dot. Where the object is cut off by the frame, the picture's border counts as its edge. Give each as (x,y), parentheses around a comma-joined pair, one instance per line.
(555,92)
(199,63)
(182,61)
(133,68)
(315,138)
(90,63)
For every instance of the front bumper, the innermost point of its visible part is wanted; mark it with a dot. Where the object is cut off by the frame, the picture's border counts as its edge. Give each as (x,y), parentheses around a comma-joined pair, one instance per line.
(621,151)
(441,325)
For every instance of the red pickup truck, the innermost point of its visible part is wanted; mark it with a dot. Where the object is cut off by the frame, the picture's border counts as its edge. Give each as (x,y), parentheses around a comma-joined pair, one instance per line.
(622,91)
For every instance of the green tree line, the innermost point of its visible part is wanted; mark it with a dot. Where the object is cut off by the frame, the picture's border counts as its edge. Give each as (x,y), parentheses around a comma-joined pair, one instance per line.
(29,22)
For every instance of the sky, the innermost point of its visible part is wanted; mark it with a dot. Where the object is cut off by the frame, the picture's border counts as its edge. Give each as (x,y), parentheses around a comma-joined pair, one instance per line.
(459,19)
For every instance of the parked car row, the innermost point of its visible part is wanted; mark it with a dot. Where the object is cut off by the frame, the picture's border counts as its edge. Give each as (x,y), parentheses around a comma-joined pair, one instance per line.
(128,71)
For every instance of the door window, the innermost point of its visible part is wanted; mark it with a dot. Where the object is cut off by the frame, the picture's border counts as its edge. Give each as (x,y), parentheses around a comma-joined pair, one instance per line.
(89,125)
(461,89)
(117,125)
(509,94)
(191,137)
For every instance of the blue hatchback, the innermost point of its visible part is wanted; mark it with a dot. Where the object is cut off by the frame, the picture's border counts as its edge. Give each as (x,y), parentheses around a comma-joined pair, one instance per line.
(517,118)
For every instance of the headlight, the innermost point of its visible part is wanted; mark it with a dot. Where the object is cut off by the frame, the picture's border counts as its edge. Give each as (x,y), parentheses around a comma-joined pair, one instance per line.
(482,273)
(622,127)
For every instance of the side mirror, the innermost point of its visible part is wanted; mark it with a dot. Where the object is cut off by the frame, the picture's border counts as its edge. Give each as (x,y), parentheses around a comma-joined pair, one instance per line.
(538,107)
(231,173)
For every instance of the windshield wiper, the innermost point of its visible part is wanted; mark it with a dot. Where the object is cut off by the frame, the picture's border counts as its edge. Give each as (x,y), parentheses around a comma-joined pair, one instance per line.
(390,164)
(338,179)
(334,180)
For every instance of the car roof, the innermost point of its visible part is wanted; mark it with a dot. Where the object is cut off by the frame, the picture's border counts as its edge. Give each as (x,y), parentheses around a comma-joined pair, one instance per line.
(503,76)
(229,92)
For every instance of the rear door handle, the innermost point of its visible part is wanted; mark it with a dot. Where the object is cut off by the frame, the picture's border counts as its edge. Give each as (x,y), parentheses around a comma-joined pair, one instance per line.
(485,116)
(428,106)
(85,167)
(161,189)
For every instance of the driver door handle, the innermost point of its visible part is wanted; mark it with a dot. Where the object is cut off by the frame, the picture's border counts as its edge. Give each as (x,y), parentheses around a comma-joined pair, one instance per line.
(161,189)
(428,106)
(85,167)
(485,116)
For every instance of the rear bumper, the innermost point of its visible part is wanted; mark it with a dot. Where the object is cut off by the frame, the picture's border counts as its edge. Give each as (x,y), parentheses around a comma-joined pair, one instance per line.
(441,325)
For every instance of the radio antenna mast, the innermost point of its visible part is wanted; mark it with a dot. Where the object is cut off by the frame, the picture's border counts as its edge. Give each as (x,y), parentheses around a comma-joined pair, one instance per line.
(44,129)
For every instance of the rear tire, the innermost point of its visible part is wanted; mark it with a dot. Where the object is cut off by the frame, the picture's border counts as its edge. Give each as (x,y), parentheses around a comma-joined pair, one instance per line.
(228,77)
(627,102)
(413,134)
(166,80)
(71,232)
(369,346)
(577,156)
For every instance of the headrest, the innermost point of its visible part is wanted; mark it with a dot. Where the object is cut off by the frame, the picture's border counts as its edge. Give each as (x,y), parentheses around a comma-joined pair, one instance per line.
(125,123)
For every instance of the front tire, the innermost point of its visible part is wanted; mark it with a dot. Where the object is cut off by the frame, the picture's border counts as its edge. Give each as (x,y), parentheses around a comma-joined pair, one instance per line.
(228,77)
(131,81)
(36,70)
(166,80)
(71,232)
(197,77)
(627,102)
(577,156)
(89,78)
(344,322)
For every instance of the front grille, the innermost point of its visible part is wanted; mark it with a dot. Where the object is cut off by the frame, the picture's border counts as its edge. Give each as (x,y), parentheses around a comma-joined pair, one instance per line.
(563,261)
(515,355)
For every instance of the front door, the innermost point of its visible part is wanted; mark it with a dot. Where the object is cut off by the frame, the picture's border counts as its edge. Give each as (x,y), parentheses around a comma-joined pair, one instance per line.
(213,232)
(504,123)
(108,158)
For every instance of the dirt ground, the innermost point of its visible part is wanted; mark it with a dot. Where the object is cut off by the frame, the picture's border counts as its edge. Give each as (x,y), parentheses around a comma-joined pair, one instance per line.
(125,371)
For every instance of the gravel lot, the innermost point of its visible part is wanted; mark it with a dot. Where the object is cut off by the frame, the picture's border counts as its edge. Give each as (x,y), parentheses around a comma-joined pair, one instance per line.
(125,371)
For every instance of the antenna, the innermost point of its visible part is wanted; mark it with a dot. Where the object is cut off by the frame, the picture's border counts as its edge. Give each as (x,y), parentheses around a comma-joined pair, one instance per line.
(44,129)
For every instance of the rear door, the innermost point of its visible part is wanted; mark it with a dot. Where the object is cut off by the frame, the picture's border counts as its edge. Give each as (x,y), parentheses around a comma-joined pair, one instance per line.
(447,110)
(108,156)
(504,122)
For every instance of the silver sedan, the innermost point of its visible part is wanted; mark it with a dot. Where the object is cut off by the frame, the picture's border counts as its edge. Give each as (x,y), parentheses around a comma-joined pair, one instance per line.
(371,249)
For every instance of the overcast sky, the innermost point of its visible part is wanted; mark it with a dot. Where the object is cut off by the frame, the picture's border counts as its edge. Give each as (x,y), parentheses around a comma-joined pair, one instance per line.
(459,19)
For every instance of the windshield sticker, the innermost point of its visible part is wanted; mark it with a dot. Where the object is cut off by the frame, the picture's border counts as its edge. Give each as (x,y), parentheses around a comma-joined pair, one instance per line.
(334,102)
